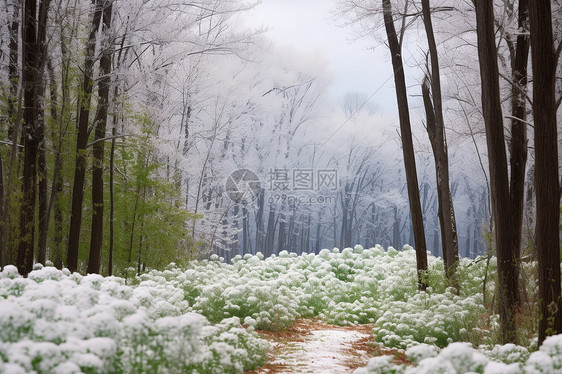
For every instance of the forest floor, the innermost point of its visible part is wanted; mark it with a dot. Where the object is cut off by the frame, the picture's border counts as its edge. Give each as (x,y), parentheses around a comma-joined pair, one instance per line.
(311,346)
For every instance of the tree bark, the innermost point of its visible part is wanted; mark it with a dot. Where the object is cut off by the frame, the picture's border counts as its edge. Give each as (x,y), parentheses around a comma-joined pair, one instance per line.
(260,234)
(499,183)
(2,221)
(30,79)
(82,141)
(13,67)
(518,144)
(41,144)
(547,185)
(436,132)
(407,144)
(111,200)
(100,124)
(56,253)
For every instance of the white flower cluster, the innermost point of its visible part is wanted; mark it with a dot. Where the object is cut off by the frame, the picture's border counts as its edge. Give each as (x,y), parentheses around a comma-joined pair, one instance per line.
(462,358)
(350,286)
(57,322)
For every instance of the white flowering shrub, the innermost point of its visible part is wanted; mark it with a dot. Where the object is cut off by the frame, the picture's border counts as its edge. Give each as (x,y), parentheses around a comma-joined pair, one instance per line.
(201,318)
(57,322)
(509,353)
(418,352)
(462,358)
(381,365)
(351,286)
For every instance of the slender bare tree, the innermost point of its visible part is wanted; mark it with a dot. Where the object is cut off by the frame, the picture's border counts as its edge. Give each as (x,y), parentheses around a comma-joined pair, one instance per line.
(547,185)
(395,48)
(436,131)
(499,182)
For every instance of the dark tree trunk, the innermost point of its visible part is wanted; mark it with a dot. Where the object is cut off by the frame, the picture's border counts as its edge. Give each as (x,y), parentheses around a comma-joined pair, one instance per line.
(42,151)
(518,145)
(270,234)
(245,231)
(407,144)
(396,229)
(547,185)
(57,182)
(2,222)
(317,244)
(499,183)
(43,196)
(82,141)
(11,115)
(111,199)
(436,132)
(282,236)
(13,67)
(111,170)
(30,79)
(14,114)
(260,235)
(100,123)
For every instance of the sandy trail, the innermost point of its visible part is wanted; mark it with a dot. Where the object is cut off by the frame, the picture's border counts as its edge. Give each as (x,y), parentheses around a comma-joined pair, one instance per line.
(310,346)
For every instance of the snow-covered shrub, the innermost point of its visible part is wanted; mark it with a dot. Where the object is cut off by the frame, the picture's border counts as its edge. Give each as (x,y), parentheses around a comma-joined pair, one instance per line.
(509,353)
(56,322)
(419,352)
(459,358)
(381,365)
(548,359)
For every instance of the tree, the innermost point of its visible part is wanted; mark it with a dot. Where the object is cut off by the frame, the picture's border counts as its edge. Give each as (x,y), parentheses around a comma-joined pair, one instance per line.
(82,140)
(546,168)
(436,132)
(518,142)
(14,115)
(33,46)
(100,122)
(407,144)
(499,183)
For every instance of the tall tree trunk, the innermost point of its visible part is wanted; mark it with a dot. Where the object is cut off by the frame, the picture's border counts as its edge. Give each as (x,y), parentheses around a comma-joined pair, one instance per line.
(82,141)
(396,229)
(436,132)
(111,199)
(282,235)
(111,168)
(499,183)
(100,123)
(32,77)
(43,195)
(547,186)
(407,143)
(41,144)
(270,233)
(13,67)
(2,222)
(56,253)
(518,144)
(260,234)
(318,227)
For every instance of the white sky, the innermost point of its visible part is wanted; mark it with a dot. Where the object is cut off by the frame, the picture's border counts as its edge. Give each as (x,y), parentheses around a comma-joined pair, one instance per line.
(309,27)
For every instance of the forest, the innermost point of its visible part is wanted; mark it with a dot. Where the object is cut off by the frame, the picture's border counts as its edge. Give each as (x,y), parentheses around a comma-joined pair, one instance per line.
(151,143)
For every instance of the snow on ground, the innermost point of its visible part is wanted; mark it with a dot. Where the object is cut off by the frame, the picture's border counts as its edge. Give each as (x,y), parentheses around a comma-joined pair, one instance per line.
(311,346)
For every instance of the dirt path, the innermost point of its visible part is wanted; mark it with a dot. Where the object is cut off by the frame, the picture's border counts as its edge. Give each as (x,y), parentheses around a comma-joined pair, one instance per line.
(310,346)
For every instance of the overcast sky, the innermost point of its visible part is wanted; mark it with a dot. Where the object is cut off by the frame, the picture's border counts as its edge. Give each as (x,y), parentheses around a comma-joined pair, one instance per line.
(309,27)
